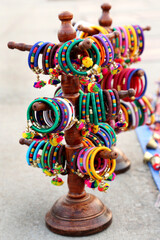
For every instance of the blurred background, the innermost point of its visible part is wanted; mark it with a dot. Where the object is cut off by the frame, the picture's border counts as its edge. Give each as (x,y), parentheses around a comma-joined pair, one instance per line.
(25,193)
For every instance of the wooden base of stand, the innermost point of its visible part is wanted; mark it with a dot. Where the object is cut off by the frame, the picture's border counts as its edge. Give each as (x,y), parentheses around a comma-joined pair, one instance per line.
(78,217)
(122,162)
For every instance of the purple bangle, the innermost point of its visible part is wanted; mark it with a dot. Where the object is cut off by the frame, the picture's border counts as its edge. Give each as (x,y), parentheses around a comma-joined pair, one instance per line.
(97,36)
(110,45)
(142,39)
(61,126)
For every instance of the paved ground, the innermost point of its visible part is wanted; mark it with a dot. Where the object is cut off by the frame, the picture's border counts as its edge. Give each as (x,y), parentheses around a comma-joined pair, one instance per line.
(25,193)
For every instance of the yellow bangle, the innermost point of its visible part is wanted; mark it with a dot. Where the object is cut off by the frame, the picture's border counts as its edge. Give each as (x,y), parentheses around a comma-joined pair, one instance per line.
(149,106)
(125,113)
(91,168)
(135,40)
(129,38)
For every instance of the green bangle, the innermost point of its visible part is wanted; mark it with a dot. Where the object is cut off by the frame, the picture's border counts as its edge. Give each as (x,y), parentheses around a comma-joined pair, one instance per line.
(43,152)
(80,105)
(68,61)
(87,106)
(54,107)
(95,120)
(102,105)
(140,113)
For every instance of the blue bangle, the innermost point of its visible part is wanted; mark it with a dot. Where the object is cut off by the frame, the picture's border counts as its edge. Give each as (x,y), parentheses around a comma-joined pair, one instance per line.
(36,152)
(28,152)
(103,137)
(31,53)
(145,84)
(38,52)
(107,136)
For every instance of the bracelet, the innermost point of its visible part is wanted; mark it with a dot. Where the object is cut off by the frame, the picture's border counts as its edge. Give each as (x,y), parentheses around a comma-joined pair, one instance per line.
(102,105)
(113,103)
(149,106)
(28,153)
(55,108)
(35,155)
(98,107)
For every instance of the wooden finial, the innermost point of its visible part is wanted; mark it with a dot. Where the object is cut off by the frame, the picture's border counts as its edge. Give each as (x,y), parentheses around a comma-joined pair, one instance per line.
(127,93)
(105,20)
(66,31)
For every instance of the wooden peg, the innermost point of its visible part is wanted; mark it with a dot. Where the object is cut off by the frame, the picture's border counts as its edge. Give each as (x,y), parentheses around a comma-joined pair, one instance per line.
(38,106)
(19,46)
(113,35)
(147,28)
(105,20)
(89,30)
(105,154)
(66,31)
(127,93)
(24,141)
(139,73)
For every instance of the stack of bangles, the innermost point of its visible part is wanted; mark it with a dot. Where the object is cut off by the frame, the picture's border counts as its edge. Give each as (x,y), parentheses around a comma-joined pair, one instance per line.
(124,80)
(137,113)
(59,116)
(57,59)
(95,170)
(127,46)
(105,136)
(51,159)
(99,107)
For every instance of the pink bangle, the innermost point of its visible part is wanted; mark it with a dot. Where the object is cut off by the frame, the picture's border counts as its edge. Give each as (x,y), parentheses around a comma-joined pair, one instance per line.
(85,157)
(136,113)
(126,41)
(80,161)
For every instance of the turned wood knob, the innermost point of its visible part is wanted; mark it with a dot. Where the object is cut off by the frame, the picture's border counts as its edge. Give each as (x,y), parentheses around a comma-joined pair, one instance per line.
(66,31)
(105,20)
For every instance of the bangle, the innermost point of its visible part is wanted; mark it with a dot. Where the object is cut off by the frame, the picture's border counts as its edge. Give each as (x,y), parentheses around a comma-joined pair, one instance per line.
(102,105)
(52,56)
(80,105)
(45,57)
(124,41)
(110,131)
(98,107)
(91,168)
(36,67)
(55,156)
(136,113)
(32,52)
(149,106)
(35,155)
(87,107)
(76,72)
(84,106)
(28,153)
(80,160)
(44,155)
(95,139)
(145,83)
(140,38)
(113,103)
(85,158)
(55,109)
(134,41)
(95,120)
(103,137)
(108,103)
(101,49)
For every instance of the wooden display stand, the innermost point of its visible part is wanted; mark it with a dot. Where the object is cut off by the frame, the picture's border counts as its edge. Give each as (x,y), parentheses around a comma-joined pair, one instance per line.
(78,213)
